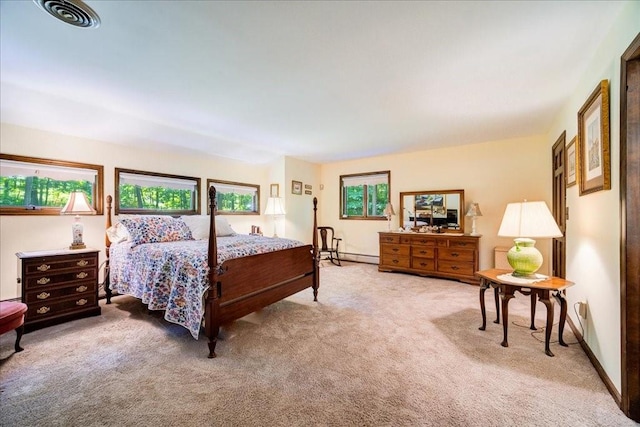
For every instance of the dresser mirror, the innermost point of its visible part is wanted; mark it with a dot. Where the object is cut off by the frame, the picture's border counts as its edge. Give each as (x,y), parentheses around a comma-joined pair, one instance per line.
(442,208)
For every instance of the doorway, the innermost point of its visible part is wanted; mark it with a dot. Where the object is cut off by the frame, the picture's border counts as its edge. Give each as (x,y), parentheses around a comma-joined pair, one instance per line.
(559,263)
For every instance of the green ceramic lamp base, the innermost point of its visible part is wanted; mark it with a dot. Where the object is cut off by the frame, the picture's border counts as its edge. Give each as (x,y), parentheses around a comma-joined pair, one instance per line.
(524,258)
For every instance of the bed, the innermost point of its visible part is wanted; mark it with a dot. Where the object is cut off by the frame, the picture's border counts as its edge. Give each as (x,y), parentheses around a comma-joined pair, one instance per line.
(214,281)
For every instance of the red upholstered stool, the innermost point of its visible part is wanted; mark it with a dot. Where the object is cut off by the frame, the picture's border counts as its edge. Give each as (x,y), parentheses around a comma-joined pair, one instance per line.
(12,317)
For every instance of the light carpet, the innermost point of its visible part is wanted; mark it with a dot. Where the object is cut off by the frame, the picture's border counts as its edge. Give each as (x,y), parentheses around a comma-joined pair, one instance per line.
(377,349)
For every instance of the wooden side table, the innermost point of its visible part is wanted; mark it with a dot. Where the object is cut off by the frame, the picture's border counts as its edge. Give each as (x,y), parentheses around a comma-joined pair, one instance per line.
(545,289)
(58,285)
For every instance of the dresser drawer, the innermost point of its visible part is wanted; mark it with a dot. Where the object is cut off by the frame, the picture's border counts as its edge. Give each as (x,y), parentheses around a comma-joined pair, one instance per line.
(461,243)
(395,250)
(38,296)
(458,255)
(47,265)
(424,264)
(389,238)
(423,241)
(43,310)
(393,260)
(455,267)
(56,278)
(423,251)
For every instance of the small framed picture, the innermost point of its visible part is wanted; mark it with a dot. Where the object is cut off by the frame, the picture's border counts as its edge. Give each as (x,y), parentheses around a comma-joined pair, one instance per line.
(307,186)
(274,190)
(307,192)
(594,164)
(296,187)
(571,163)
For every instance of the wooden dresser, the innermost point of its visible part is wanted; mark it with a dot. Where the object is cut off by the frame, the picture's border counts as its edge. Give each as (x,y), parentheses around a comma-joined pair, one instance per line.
(438,255)
(58,286)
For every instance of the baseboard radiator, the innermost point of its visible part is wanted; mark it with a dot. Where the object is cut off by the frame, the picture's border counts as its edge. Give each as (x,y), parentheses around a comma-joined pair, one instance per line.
(363,258)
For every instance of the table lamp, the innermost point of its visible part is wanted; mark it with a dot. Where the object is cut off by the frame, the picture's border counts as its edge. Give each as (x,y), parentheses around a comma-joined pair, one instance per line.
(524,221)
(77,205)
(275,207)
(389,212)
(474,211)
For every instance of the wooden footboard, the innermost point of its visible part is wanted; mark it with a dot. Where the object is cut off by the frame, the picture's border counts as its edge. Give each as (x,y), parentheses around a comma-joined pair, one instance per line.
(247,284)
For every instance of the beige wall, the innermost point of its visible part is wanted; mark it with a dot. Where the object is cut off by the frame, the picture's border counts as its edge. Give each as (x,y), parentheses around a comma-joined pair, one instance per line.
(27,233)
(593,228)
(491,174)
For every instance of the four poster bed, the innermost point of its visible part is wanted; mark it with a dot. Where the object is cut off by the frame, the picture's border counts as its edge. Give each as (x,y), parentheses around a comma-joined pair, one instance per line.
(216,281)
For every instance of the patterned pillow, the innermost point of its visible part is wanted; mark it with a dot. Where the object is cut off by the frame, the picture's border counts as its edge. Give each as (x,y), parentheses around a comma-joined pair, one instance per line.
(155,229)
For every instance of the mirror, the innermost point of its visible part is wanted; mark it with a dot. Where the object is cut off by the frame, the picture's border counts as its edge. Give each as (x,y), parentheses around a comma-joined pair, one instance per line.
(444,208)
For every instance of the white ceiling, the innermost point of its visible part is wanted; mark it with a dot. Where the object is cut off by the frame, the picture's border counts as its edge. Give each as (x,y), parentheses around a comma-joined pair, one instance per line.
(319,81)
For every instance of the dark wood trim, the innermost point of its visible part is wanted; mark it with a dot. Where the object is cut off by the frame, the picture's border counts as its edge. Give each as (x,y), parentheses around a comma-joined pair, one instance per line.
(596,364)
(559,159)
(630,229)
(211,182)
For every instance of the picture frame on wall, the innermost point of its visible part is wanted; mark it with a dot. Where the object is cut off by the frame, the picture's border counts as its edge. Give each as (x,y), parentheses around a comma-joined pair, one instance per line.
(571,163)
(593,152)
(274,190)
(296,187)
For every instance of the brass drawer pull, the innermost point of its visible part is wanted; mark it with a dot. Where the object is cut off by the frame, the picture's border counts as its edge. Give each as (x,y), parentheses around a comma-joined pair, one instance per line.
(81,288)
(395,261)
(455,254)
(43,267)
(43,310)
(423,252)
(82,263)
(43,295)
(81,275)
(395,249)
(455,267)
(81,301)
(43,281)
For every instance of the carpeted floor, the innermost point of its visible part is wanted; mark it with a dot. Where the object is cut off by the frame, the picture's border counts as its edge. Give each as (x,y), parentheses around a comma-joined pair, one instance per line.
(378,349)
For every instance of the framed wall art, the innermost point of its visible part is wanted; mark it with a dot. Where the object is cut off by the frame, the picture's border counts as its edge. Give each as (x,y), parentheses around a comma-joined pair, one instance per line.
(594,164)
(570,163)
(296,187)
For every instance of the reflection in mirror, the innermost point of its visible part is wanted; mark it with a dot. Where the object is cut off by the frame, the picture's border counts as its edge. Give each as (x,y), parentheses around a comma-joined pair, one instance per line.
(443,208)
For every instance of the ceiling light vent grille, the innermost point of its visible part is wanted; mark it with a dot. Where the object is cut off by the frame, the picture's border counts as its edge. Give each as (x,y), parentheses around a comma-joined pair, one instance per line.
(73,12)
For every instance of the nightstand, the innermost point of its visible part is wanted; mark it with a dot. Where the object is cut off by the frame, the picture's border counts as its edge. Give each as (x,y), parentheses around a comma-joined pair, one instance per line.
(58,285)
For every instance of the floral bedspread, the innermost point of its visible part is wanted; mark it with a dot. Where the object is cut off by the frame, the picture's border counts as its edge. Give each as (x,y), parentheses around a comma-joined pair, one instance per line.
(172,276)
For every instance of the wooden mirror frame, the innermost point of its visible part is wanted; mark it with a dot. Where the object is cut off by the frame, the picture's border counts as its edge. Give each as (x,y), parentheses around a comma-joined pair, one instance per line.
(461,209)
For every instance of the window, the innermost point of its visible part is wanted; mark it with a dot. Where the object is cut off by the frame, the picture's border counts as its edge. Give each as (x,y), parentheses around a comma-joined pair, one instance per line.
(364,195)
(139,192)
(34,186)
(236,198)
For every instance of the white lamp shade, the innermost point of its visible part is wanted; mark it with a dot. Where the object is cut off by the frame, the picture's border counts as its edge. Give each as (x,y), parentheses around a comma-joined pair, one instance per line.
(77,205)
(474,210)
(388,210)
(275,206)
(528,219)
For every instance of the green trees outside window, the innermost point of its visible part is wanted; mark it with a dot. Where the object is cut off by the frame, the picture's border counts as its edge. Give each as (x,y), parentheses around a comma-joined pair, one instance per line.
(236,198)
(364,196)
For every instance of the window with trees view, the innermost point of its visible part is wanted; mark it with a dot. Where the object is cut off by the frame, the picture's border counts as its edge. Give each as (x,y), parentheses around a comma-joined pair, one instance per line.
(364,195)
(236,198)
(35,186)
(139,192)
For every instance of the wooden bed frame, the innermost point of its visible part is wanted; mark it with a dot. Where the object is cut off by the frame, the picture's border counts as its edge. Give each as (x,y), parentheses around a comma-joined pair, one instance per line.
(247,284)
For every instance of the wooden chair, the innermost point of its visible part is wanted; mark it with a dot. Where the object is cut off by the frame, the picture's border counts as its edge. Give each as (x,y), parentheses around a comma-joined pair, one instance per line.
(329,244)
(12,318)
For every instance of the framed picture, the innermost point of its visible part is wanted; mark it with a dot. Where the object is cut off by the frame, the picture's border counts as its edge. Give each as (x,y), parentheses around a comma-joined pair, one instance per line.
(296,187)
(594,164)
(307,186)
(307,192)
(274,190)
(570,163)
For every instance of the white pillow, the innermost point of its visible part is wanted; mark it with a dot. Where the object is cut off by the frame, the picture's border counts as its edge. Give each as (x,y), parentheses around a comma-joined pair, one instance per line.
(199,225)
(117,233)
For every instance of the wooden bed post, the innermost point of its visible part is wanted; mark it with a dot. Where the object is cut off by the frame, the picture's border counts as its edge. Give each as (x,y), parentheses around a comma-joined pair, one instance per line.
(107,243)
(212,301)
(316,255)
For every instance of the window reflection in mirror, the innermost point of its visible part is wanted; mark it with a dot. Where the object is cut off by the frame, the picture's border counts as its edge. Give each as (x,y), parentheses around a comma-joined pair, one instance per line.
(443,208)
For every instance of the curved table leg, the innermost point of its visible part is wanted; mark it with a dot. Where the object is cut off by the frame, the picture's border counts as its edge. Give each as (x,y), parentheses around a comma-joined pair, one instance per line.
(496,297)
(559,296)
(484,284)
(506,294)
(533,311)
(544,298)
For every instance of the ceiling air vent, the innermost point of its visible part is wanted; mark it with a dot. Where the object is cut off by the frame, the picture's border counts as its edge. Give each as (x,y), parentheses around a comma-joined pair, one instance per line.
(73,12)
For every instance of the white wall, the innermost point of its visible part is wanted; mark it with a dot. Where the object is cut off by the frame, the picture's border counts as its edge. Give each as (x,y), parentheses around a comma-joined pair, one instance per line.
(491,174)
(27,233)
(299,218)
(593,228)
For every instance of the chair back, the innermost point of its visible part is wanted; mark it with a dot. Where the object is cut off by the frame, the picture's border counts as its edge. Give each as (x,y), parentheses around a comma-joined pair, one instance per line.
(326,238)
